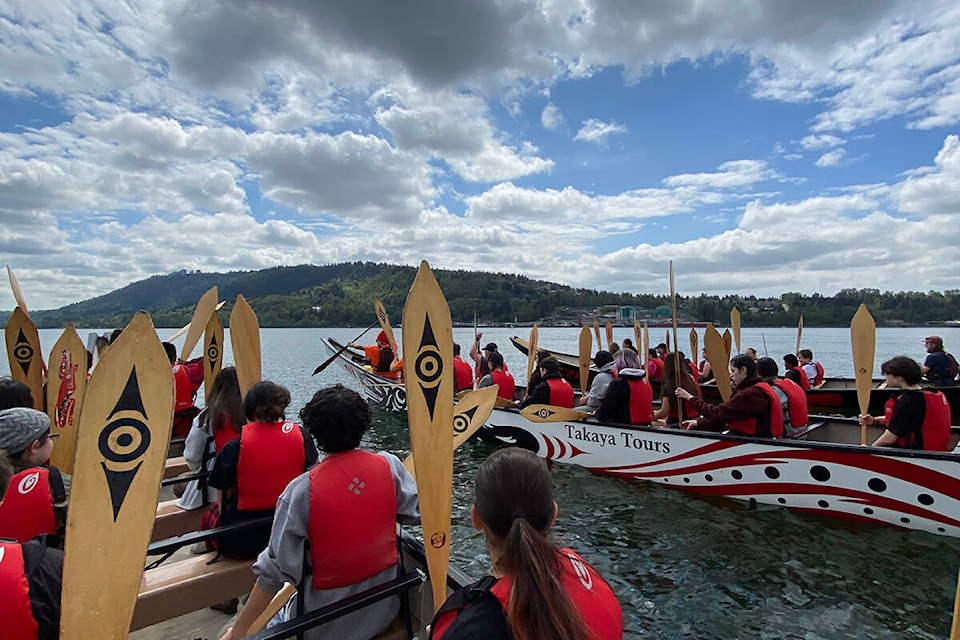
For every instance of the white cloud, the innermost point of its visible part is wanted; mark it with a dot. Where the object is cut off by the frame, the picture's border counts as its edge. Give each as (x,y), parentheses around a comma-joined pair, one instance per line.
(831,158)
(821,141)
(598,131)
(551,117)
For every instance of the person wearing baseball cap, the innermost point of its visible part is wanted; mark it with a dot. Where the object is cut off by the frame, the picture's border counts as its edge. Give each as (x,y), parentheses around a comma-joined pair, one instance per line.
(940,367)
(480,357)
(35,502)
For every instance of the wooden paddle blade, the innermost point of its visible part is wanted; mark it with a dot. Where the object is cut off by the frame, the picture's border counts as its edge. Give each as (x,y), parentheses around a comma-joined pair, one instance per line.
(584,352)
(666,340)
(472,410)
(717,357)
(727,344)
(799,333)
(201,314)
(121,451)
(609,331)
(735,323)
(596,332)
(694,346)
(428,341)
(384,321)
(638,339)
(23,354)
(550,413)
(65,390)
(646,344)
(212,352)
(17,292)
(532,351)
(863,339)
(182,330)
(245,340)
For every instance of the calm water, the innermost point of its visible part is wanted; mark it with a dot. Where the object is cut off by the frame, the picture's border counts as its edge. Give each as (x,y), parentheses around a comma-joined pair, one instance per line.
(686,566)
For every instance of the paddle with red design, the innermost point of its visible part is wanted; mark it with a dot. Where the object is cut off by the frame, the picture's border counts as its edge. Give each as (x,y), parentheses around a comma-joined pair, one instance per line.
(428,343)
(23,354)
(65,390)
(122,447)
(863,342)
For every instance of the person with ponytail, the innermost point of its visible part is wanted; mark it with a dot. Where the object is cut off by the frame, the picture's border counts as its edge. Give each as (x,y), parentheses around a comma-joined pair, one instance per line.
(537,590)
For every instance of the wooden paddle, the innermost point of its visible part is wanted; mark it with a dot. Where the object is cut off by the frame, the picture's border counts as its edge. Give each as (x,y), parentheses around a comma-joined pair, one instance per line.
(955,626)
(326,363)
(212,352)
(863,340)
(198,323)
(121,451)
(550,413)
(65,392)
(694,346)
(727,343)
(428,336)
(18,296)
(717,357)
(735,323)
(384,321)
(584,353)
(678,360)
(532,351)
(638,339)
(596,332)
(23,354)
(646,344)
(666,340)
(182,330)
(279,601)
(472,410)
(245,340)
(609,331)
(799,333)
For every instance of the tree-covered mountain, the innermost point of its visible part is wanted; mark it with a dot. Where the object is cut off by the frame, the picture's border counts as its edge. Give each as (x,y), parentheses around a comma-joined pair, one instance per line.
(343,295)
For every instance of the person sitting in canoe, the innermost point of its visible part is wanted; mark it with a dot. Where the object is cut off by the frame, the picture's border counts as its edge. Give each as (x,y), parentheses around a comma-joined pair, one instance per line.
(598,387)
(252,470)
(654,365)
(335,529)
(793,371)
(31,579)
(915,419)
(381,358)
(552,390)
(793,401)
(668,410)
(704,373)
(499,376)
(812,368)
(462,371)
(188,377)
(750,351)
(14,393)
(482,356)
(752,410)
(629,398)
(35,503)
(536,589)
(939,367)
(536,377)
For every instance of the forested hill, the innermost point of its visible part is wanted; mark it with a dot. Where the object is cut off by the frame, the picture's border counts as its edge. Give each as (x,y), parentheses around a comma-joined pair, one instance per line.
(344,294)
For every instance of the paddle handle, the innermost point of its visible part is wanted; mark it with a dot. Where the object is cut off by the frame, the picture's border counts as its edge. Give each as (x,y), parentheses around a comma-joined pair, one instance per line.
(279,601)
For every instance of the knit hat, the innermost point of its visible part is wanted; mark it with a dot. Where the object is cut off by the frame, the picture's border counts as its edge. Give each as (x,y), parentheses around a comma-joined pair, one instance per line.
(20,427)
(382,337)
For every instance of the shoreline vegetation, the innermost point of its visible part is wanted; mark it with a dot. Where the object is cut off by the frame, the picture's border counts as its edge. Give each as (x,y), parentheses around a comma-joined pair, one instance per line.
(342,295)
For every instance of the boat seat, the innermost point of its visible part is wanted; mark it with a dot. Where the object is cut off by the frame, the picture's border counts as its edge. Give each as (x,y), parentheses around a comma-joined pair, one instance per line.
(175,466)
(188,585)
(803,433)
(172,521)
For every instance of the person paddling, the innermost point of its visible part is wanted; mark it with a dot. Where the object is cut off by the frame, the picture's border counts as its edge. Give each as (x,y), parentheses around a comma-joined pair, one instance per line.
(334,530)
(793,401)
(537,589)
(939,367)
(916,418)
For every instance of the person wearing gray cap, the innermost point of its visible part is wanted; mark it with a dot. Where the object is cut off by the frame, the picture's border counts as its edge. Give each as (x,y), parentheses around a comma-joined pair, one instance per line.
(35,502)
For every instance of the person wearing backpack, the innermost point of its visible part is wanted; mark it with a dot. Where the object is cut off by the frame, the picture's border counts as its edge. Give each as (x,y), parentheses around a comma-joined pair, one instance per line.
(940,367)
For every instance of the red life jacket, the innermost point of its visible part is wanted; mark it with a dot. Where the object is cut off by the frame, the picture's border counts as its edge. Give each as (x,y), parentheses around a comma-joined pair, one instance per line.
(15,609)
(748,426)
(271,455)
(507,385)
(184,397)
(590,594)
(796,402)
(655,368)
(462,374)
(819,377)
(561,393)
(353,518)
(224,434)
(695,372)
(804,380)
(935,431)
(641,400)
(27,509)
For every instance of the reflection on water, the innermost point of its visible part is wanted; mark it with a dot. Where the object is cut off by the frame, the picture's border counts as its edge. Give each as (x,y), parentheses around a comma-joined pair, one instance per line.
(686,566)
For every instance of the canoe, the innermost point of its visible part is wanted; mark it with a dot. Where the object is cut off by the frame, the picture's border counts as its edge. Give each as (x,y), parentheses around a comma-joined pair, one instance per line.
(835,396)
(569,364)
(826,473)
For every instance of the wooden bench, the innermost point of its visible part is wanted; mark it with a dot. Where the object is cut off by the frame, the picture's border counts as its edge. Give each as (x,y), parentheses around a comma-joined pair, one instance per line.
(183,586)
(173,521)
(175,466)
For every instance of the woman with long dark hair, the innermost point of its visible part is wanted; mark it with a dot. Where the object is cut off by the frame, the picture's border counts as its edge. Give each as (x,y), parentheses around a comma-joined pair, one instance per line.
(669,407)
(545,591)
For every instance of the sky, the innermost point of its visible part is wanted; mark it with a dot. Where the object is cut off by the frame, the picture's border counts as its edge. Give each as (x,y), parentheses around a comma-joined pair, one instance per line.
(763,147)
